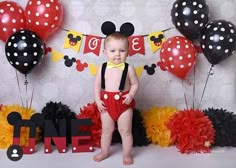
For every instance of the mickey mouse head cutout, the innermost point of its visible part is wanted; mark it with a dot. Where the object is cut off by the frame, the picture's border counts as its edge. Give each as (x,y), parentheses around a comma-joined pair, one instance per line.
(126,28)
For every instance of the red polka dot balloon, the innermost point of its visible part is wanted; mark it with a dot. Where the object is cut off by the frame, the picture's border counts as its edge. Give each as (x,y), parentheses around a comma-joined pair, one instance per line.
(12,19)
(44,16)
(178,56)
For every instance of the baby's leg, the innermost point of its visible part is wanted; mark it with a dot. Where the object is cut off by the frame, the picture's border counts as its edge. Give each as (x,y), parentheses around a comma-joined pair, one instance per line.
(125,129)
(107,130)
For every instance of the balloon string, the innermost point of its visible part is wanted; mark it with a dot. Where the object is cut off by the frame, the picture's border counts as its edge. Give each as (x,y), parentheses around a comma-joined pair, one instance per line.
(209,73)
(31,99)
(185,97)
(194,73)
(18,83)
(26,90)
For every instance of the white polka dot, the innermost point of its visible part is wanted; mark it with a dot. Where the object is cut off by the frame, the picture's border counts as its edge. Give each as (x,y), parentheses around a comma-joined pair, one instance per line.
(37,23)
(180,57)
(11,62)
(200,5)
(230,40)
(221,38)
(178,23)
(34,45)
(203,37)
(211,38)
(25,64)
(45,24)
(4,29)
(25,54)
(163,60)
(36,14)
(178,46)
(46,15)
(227,50)
(218,47)
(201,24)
(12,9)
(168,49)
(195,21)
(172,66)
(215,28)
(194,3)
(56,18)
(189,56)
(38,2)
(181,66)
(186,46)
(35,53)
(35,62)
(231,30)
(208,26)
(195,12)
(190,64)
(184,3)
(23,37)
(170,58)
(210,46)
(15,54)
(203,46)
(176,14)
(222,29)
(162,50)
(47,5)
(14,29)
(17,63)
(9,43)
(14,45)
(176,5)
(202,16)
(178,42)
(13,20)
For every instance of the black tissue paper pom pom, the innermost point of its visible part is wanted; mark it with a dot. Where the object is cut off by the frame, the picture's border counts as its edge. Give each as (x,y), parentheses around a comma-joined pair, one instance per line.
(55,111)
(224,123)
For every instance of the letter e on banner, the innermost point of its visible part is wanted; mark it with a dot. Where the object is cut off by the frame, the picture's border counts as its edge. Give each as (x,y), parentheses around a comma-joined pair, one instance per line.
(136,45)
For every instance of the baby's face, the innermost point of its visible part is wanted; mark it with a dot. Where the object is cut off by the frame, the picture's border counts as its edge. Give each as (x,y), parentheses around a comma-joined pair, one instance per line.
(116,51)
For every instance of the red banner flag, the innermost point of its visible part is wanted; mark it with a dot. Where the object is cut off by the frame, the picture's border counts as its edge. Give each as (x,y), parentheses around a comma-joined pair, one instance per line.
(92,44)
(136,45)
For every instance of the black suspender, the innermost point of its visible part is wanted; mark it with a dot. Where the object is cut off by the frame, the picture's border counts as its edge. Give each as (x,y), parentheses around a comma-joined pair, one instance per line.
(123,78)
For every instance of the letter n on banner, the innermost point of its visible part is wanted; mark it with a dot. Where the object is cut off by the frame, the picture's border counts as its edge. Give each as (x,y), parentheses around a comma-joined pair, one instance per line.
(136,45)
(92,44)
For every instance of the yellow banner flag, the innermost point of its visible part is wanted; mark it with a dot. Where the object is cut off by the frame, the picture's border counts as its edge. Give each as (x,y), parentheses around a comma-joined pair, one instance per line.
(156,39)
(56,56)
(73,40)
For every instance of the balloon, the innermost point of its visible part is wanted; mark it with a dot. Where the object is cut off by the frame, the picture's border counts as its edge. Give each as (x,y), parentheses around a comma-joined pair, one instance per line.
(12,19)
(44,16)
(218,40)
(24,50)
(178,56)
(189,17)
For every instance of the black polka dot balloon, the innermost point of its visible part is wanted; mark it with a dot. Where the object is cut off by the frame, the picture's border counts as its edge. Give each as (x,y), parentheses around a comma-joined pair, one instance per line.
(189,17)
(218,40)
(24,50)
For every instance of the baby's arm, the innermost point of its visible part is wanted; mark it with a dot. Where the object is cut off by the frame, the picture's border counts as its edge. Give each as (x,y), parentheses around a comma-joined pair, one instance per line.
(134,84)
(97,91)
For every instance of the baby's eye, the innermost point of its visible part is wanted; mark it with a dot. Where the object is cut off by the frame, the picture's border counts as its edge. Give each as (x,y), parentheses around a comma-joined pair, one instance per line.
(112,50)
(122,50)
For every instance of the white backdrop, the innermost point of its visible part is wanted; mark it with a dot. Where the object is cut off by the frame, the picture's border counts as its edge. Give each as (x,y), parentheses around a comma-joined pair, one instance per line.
(56,82)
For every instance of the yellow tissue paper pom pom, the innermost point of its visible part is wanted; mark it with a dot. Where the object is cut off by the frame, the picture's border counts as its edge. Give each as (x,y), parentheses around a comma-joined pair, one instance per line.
(154,121)
(6,130)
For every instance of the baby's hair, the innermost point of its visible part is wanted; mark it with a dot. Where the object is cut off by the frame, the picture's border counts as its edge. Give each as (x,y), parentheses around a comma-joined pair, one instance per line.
(116,36)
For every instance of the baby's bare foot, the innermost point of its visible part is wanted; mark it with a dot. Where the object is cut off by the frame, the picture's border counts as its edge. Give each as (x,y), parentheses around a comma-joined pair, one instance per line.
(100,156)
(128,160)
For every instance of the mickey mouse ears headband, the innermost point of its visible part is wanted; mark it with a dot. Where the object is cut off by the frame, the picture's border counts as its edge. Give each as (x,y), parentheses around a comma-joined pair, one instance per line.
(126,28)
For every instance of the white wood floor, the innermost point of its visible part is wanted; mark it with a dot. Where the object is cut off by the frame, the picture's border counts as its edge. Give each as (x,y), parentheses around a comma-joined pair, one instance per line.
(144,157)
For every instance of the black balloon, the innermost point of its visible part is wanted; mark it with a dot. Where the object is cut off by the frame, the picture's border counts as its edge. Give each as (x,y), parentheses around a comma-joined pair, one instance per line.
(24,50)
(189,17)
(218,40)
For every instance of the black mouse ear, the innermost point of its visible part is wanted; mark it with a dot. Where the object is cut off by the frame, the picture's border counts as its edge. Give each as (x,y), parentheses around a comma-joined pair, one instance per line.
(108,27)
(127,29)
(145,67)
(13,117)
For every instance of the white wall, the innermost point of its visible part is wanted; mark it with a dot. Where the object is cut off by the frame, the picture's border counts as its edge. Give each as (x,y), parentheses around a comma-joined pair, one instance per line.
(56,82)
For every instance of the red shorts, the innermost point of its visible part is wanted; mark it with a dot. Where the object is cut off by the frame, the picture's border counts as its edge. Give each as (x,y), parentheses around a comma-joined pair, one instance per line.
(114,105)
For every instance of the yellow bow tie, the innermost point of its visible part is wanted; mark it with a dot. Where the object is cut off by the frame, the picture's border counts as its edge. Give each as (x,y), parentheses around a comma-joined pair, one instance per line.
(121,66)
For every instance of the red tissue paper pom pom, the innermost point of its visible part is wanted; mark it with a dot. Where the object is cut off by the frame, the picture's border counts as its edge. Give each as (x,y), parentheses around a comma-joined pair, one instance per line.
(91,111)
(192,131)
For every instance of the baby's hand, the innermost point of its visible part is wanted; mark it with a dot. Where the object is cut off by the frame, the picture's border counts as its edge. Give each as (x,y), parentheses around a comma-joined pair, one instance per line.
(101,106)
(127,99)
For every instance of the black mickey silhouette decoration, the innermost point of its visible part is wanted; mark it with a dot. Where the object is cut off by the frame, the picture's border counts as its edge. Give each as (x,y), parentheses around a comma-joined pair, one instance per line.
(126,28)
(150,70)
(69,61)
